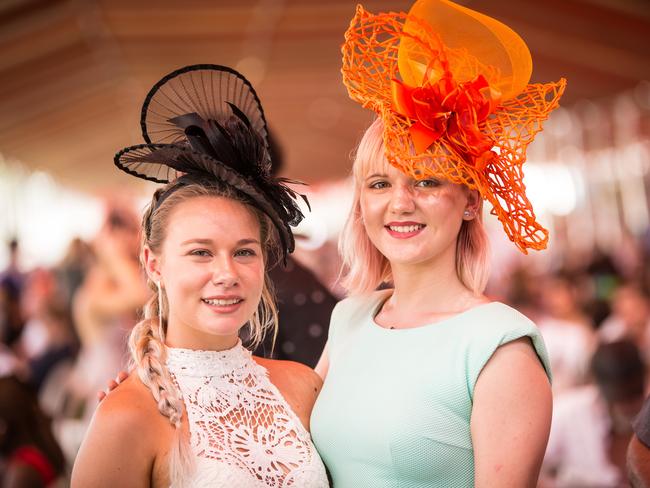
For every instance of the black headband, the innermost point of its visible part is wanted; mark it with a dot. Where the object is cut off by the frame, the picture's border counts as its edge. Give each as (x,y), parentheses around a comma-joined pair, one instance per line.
(206,122)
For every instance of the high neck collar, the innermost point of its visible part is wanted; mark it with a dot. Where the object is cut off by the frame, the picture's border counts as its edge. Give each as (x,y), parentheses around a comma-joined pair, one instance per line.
(191,362)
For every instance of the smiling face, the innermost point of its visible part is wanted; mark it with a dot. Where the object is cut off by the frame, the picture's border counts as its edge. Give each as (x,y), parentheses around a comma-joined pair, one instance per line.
(211,267)
(412,221)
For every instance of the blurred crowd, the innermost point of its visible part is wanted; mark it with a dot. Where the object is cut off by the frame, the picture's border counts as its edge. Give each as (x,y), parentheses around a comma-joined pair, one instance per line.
(63,336)
(64,333)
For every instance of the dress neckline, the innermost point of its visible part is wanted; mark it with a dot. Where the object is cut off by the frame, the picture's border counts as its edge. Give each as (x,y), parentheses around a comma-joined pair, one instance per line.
(384,295)
(202,363)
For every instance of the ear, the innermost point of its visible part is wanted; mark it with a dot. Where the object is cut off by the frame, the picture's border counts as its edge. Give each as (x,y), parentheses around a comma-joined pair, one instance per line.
(151,264)
(473,205)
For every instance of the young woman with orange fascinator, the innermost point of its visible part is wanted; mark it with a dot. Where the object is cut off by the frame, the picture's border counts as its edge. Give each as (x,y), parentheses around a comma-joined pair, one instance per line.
(427,382)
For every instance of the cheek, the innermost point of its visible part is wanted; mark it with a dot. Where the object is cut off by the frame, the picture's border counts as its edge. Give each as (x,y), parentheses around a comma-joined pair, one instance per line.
(185,283)
(371,210)
(251,276)
(445,207)
(253,281)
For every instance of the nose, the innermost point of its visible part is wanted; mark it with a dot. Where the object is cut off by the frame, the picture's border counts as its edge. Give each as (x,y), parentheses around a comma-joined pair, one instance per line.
(402,200)
(224,273)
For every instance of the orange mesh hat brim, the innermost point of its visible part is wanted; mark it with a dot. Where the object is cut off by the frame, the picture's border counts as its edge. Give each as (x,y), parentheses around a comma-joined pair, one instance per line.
(462,122)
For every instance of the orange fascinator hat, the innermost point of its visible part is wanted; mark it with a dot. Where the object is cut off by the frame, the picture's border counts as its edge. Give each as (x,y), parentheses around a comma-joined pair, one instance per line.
(451,87)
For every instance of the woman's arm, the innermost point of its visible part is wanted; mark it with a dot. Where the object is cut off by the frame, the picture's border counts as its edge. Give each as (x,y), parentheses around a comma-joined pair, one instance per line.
(511,418)
(118,449)
(638,463)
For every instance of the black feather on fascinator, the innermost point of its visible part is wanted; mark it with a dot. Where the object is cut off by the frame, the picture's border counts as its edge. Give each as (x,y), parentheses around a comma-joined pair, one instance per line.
(206,121)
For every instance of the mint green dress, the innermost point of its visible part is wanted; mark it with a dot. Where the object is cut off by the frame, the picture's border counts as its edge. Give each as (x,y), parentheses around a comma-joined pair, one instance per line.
(395,408)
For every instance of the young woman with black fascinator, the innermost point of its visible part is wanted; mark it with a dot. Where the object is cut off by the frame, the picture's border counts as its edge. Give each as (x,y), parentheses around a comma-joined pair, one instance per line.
(201,410)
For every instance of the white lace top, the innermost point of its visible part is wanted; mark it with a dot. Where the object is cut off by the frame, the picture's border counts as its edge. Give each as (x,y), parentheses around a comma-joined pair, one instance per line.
(242,431)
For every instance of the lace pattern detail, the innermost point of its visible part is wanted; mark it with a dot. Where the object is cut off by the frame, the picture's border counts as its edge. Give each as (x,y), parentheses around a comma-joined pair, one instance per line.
(242,431)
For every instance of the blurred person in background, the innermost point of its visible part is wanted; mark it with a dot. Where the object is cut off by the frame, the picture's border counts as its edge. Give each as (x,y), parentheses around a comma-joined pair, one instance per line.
(31,456)
(12,280)
(600,280)
(638,452)
(520,290)
(630,317)
(304,303)
(104,311)
(71,271)
(304,309)
(47,339)
(592,425)
(568,332)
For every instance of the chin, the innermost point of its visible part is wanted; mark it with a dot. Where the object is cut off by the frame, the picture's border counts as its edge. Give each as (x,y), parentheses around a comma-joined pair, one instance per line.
(224,327)
(405,254)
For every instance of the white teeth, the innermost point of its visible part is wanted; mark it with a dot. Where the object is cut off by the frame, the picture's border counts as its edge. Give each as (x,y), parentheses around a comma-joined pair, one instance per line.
(405,228)
(222,303)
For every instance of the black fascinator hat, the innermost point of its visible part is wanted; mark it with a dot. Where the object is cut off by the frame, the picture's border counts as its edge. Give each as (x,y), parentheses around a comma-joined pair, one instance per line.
(205,122)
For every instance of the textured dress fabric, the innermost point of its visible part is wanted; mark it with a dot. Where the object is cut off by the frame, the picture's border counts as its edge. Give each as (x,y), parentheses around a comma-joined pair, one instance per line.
(242,431)
(396,405)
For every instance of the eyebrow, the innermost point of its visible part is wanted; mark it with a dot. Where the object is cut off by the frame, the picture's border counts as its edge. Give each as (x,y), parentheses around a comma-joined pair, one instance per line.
(240,242)
(375,175)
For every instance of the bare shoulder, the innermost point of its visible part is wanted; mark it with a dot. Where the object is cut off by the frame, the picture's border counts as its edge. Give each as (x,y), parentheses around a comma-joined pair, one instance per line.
(132,400)
(298,384)
(123,440)
(291,373)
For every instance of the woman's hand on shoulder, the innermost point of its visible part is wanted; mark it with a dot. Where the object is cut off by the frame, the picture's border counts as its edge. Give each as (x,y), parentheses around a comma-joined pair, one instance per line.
(511,417)
(120,445)
(112,384)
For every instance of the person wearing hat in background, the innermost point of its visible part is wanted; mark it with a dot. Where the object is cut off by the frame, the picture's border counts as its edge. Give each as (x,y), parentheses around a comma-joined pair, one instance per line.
(304,303)
(202,411)
(427,382)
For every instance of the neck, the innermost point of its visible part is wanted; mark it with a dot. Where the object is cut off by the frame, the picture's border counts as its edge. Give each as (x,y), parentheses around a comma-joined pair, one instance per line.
(214,345)
(185,337)
(429,287)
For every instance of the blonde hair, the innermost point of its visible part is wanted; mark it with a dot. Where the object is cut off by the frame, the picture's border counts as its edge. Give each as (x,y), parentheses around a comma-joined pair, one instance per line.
(364,267)
(147,339)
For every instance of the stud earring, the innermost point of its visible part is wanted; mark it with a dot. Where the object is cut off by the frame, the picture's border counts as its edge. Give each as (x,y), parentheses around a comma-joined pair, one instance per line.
(467,214)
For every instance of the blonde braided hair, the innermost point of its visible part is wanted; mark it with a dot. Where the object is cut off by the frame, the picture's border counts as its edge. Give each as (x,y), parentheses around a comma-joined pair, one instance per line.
(147,339)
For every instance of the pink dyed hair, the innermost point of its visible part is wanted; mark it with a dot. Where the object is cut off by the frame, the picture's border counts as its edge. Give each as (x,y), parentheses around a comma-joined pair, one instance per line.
(364,267)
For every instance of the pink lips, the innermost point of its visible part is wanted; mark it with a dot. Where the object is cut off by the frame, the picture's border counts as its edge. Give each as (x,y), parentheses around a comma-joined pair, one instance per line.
(404,235)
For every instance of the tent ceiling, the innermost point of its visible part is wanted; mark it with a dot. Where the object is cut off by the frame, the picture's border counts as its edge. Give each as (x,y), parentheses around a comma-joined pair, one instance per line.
(73,73)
